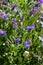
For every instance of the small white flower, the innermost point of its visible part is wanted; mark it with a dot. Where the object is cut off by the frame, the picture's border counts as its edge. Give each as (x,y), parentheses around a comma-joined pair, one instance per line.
(37,21)
(26,54)
(3,44)
(21,23)
(0,10)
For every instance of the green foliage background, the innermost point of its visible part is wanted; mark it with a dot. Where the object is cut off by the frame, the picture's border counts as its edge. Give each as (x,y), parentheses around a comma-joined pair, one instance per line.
(10,53)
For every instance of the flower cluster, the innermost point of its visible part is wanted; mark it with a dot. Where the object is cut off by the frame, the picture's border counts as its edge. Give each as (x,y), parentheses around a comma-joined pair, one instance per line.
(21,29)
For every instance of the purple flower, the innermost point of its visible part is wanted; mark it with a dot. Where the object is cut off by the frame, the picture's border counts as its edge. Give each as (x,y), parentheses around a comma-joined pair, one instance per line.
(18,11)
(14,19)
(5,6)
(3,15)
(41,17)
(17,40)
(30,27)
(1,2)
(41,1)
(41,23)
(14,5)
(38,3)
(27,43)
(2,32)
(32,11)
(41,38)
(15,25)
